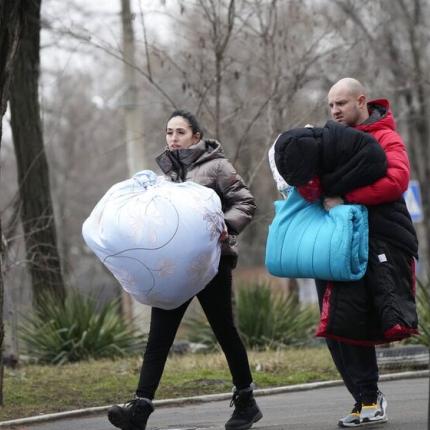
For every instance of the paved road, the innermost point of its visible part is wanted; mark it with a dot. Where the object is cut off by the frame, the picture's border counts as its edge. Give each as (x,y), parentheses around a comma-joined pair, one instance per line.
(305,410)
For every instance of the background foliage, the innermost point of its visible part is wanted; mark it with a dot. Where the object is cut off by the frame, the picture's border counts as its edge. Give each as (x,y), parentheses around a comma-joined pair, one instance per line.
(79,330)
(249,69)
(266,319)
(423,309)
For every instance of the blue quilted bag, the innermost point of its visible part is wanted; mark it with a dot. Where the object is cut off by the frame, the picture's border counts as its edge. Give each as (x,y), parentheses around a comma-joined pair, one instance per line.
(306,241)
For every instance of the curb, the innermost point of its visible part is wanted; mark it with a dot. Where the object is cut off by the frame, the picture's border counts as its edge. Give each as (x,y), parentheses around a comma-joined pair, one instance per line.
(206,398)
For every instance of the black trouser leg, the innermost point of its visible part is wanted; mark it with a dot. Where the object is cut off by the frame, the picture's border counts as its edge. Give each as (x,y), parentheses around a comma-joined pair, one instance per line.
(358,368)
(336,354)
(357,365)
(162,332)
(216,301)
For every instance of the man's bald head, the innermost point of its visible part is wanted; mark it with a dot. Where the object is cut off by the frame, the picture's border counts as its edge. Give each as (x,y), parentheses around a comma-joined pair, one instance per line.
(347,100)
(350,85)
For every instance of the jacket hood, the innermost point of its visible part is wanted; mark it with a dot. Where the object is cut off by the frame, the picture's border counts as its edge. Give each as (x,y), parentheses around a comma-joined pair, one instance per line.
(297,154)
(207,149)
(380,117)
(204,150)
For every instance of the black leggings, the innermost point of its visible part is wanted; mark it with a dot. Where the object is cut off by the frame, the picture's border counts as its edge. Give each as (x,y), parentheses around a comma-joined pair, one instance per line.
(216,301)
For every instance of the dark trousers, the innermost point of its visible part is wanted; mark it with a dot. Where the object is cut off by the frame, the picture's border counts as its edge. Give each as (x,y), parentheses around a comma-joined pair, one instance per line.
(358,368)
(216,301)
(357,365)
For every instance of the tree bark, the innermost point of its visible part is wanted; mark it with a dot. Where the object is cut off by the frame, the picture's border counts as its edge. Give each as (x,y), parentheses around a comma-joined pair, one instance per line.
(131,98)
(37,215)
(133,119)
(10,33)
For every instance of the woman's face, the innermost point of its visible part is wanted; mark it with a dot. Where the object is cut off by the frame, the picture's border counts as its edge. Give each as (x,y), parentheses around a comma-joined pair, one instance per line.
(179,134)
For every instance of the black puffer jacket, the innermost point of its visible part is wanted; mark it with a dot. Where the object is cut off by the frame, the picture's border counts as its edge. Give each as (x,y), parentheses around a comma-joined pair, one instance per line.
(342,157)
(345,159)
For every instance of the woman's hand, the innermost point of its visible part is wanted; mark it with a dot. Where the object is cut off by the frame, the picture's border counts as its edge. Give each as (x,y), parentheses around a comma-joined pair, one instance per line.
(331,202)
(224,235)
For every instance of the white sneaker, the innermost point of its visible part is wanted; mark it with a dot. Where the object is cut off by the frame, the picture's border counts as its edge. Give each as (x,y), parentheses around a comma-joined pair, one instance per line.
(375,412)
(352,419)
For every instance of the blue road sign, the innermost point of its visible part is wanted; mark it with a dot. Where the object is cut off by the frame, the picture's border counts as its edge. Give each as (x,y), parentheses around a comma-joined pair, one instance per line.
(413,201)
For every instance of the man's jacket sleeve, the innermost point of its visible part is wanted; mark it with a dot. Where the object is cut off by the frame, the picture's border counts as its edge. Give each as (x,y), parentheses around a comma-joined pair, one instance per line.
(394,183)
(350,159)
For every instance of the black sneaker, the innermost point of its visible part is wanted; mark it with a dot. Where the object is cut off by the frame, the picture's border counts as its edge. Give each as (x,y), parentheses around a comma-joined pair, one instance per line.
(353,418)
(246,411)
(132,416)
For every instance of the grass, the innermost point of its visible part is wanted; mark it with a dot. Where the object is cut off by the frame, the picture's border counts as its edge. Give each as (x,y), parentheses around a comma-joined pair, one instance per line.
(35,389)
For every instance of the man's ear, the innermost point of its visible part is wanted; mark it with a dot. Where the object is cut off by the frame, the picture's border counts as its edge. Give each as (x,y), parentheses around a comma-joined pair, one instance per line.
(362,102)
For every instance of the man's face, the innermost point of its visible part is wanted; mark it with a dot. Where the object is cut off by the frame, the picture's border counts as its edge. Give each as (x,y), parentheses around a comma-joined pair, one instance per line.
(345,108)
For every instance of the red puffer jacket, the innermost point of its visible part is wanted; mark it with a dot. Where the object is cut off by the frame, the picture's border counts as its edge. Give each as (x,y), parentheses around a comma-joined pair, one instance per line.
(389,218)
(395,182)
(382,308)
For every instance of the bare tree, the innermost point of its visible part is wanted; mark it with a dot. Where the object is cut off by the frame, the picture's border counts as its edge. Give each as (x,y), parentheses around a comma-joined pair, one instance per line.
(404,56)
(221,29)
(11,23)
(37,214)
(133,136)
(131,95)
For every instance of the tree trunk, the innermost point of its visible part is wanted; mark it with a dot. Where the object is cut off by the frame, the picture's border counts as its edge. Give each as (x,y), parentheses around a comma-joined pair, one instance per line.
(10,33)
(133,117)
(218,84)
(37,214)
(131,99)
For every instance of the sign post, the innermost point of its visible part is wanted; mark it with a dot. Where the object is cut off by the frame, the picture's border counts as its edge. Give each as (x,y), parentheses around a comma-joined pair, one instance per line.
(413,201)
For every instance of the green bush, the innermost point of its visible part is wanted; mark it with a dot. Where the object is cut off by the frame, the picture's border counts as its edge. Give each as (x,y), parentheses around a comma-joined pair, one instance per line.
(79,329)
(273,319)
(423,309)
(265,318)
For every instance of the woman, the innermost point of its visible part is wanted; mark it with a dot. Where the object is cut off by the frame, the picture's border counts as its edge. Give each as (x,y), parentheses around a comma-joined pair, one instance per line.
(189,157)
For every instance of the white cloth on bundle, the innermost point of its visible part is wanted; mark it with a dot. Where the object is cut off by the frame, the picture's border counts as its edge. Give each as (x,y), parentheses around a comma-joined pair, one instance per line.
(283,187)
(159,239)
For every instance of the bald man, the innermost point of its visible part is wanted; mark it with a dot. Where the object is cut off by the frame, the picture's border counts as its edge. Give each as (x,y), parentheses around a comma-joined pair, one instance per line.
(347,102)
(393,246)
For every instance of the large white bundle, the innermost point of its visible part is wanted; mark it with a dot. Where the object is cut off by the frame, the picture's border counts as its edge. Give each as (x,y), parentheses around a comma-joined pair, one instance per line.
(159,239)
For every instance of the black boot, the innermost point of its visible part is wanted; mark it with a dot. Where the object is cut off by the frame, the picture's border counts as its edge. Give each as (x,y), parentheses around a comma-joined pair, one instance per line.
(132,416)
(246,411)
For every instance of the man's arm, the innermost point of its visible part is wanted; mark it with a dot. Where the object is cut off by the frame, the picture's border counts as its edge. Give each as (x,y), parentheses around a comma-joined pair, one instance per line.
(394,183)
(351,159)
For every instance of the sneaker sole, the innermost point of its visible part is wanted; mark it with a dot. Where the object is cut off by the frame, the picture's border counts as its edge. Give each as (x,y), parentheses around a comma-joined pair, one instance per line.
(362,424)
(341,424)
(375,422)
(246,426)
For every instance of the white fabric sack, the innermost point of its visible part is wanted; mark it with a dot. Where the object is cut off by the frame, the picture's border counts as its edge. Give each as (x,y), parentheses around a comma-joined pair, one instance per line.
(160,239)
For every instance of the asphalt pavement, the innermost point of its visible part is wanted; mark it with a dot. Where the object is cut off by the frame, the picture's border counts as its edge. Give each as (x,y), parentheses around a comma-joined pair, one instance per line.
(310,409)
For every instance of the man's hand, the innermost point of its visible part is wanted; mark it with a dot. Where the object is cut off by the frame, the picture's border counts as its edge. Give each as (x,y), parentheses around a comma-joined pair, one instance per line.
(331,202)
